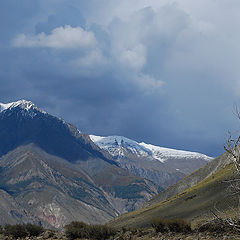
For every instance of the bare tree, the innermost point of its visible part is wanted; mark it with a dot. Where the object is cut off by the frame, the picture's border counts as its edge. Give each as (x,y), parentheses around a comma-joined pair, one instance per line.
(233,149)
(232,146)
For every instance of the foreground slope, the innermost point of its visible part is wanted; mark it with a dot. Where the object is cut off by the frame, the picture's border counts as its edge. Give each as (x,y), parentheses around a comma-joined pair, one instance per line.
(195,203)
(192,179)
(163,166)
(51,173)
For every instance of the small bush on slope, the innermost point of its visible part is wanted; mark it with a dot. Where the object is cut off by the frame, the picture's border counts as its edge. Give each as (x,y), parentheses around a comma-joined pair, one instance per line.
(159,225)
(22,230)
(172,225)
(16,231)
(178,225)
(34,230)
(76,230)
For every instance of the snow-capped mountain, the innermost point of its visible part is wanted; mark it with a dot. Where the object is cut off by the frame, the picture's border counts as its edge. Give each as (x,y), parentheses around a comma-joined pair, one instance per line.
(117,145)
(24,105)
(53,174)
(22,122)
(162,165)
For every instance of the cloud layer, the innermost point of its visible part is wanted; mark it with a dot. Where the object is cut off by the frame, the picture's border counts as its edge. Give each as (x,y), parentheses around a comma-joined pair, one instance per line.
(65,37)
(164,72)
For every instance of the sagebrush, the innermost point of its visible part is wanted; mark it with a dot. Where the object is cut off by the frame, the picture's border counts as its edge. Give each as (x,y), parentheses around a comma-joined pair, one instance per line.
(171,225)
(76,230)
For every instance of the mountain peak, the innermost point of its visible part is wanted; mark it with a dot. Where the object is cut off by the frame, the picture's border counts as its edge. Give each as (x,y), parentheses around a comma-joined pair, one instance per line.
(23,104)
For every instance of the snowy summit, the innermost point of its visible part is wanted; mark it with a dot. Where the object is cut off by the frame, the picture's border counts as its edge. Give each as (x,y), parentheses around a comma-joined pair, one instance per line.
(23,104)
(117,145)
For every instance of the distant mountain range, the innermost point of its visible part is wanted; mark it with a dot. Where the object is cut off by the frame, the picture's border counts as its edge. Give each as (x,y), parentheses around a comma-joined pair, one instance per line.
(51,173)
(164,166)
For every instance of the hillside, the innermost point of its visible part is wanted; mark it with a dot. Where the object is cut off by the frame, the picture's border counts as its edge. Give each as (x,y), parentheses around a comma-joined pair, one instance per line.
(192,179)
(193,204)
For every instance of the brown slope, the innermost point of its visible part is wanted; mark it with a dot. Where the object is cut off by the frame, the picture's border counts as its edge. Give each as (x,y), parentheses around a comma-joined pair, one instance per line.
(55,191)
(125,191)
(51,190)
(11,211)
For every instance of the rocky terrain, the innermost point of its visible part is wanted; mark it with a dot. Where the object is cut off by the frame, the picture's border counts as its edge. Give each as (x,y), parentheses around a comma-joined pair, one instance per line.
(144,234)
(150,234)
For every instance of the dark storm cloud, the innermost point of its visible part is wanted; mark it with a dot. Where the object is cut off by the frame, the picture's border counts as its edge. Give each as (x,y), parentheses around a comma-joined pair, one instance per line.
(165,73)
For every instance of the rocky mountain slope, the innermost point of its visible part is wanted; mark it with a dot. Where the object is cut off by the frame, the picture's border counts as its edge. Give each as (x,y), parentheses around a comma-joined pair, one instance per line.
(51,173)
(163,166)
(194,198)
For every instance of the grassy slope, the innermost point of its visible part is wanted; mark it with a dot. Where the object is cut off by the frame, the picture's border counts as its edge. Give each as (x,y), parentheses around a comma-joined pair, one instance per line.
(192,204)
(191,180)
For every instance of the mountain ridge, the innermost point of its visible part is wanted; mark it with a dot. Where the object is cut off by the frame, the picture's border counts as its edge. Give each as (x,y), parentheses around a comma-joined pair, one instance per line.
(164,166)
(145,148)
(31,124)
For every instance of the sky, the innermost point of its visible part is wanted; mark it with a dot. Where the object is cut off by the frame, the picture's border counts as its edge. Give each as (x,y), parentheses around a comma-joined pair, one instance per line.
(160,71)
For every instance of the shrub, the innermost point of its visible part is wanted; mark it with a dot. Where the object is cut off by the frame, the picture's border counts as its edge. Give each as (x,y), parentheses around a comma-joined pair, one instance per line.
(16,231)
(172,225)
(159,225)
(22,230)
(178,225)
(99,232)
(1,229)
(76,230)
(34,230)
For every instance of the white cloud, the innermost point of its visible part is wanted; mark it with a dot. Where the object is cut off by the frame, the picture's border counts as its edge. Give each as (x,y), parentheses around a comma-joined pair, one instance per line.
(149,84)
(66,37)
(134,58)
(143,43)
(93,59)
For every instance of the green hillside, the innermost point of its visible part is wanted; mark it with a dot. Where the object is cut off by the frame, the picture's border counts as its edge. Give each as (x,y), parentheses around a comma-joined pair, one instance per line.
(193,204)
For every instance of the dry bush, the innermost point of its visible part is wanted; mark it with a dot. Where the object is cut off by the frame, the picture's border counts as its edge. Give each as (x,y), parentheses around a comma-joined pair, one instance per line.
(34,230)
(172,225)
(76,230)
(159,225)
(178,225)
(22,230)
(16,231)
